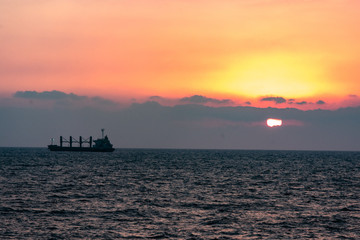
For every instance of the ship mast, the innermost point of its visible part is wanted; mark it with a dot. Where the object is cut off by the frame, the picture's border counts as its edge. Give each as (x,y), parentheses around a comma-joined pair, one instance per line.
(102,133)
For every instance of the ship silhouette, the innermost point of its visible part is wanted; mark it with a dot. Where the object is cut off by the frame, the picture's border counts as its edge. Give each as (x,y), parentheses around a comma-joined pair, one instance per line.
(102,144)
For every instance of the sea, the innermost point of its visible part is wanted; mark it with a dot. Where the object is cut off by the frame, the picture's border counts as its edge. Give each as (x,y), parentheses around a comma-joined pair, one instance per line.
(179,194)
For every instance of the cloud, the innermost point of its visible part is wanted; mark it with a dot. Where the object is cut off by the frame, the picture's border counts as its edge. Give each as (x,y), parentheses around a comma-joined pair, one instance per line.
(277,100)
(198,99)
(103,101)
(156,98)
(291,101)
(152,125)
(47,95)
(62,98)
(353,95)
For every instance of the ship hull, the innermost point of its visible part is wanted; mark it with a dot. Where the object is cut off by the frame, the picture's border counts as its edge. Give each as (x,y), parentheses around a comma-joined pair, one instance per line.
(78,149)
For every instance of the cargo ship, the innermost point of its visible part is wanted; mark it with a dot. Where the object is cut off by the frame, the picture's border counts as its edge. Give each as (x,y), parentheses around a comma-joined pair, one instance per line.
(83,145)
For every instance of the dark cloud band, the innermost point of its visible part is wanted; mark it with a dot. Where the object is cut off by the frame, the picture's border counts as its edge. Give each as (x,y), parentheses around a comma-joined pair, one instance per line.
(277,100)
(198,99)
(61,96)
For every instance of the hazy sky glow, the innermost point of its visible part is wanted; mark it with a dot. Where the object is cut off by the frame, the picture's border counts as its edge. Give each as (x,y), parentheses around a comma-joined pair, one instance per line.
(222,54)
(241,50)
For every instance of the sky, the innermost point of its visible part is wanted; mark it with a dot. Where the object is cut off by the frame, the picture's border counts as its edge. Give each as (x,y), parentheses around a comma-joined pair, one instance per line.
(182,74)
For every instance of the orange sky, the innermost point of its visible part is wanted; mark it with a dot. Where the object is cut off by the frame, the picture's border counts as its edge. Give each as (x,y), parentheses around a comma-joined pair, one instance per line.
(243,50)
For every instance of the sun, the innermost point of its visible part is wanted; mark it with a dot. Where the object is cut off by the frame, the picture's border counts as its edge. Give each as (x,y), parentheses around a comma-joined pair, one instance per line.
(272,122)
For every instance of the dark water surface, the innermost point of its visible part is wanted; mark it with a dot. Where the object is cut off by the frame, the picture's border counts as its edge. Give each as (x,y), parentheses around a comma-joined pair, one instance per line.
(179,194)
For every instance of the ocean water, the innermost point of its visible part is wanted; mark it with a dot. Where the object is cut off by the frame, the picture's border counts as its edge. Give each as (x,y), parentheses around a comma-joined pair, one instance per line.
(179,194)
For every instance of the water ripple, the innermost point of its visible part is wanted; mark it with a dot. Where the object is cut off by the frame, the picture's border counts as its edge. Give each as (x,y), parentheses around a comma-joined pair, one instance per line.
(179,194)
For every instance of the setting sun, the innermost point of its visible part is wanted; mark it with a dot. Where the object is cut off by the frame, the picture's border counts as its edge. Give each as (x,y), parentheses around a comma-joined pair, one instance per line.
(271,122)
